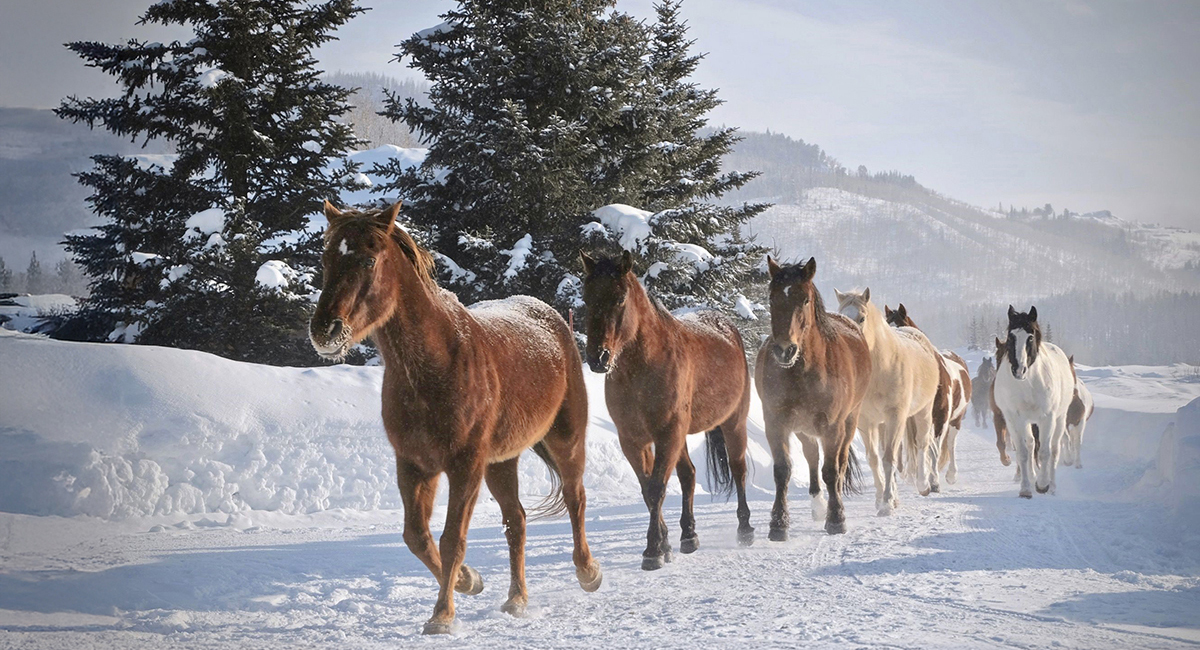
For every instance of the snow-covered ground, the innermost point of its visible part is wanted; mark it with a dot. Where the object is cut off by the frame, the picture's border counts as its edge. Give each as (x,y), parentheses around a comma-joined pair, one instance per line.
(164,497)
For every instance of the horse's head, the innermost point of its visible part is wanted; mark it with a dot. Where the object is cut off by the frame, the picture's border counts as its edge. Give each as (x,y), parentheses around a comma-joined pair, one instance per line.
(898,317)
(611,323)
(1024,340)
(855,305)
(364,256)
(794,301)
(986,370)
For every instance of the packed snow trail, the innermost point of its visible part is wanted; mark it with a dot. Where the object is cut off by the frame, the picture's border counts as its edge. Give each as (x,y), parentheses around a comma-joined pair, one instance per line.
(972,567)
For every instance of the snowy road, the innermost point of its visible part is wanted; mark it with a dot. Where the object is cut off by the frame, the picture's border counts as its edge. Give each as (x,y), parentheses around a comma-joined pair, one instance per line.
(972,567)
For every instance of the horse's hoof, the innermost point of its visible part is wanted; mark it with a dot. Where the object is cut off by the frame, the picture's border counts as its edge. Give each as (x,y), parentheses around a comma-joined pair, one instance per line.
(951,478)
(1078,465)
(935,488)
(437,627)
(924,493)
(1026,494)
(514,607)
(1042,490)
(835,527)
(885,511)
(778,535)
(745,536)
(653,563)
(689,544)
(590,577)
(469,582)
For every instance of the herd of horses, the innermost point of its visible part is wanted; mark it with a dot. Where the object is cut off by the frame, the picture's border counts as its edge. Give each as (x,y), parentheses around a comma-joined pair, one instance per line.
(467,390)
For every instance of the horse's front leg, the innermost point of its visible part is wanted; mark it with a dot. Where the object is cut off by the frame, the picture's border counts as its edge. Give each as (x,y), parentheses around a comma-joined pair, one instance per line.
(920,436)
(466,477)
(870,438)
(667,446)
(1057,428)
(779,439)
(1022,436)
(952,450)
(812,454)
(889,441)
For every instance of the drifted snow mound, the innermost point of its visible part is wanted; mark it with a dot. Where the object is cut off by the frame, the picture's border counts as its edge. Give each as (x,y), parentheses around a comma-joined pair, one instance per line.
(1178,462)
(118,431)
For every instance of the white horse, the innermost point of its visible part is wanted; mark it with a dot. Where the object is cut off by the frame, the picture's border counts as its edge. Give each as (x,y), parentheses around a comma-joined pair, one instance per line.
(1034,388)
(1077,417)
(960,397)
(904,383)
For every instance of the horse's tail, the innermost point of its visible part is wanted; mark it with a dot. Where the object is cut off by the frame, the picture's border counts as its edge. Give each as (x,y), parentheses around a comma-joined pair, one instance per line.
(720,479)
(852,481)
(910,450)
(554,504)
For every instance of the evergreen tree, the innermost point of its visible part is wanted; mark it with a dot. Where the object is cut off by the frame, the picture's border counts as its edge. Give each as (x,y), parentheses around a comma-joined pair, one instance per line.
(69,278)
(212,240)
(537,116)
(6,277)
(35,278)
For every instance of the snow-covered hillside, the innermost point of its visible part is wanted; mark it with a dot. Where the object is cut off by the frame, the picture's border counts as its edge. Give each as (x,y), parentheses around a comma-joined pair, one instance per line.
(927,252)
(152,496)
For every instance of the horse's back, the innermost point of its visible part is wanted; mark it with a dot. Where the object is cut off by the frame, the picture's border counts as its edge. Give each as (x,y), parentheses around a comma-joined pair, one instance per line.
(710,324)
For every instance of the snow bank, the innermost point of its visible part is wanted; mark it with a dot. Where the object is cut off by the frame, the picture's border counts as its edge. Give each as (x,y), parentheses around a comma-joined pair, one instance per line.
(1178,464)
(118,431)
(27,313)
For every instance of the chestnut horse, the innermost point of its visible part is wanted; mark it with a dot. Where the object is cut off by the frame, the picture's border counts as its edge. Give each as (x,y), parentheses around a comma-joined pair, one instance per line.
(955,396)
(667,377)
(465,391)
(812,375)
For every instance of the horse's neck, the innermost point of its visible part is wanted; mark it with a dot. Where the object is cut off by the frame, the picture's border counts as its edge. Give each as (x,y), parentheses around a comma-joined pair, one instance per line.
(879,335)
(649,340)
(422,332)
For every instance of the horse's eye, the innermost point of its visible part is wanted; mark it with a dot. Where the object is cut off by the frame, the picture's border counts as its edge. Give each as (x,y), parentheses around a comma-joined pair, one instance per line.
(369,262)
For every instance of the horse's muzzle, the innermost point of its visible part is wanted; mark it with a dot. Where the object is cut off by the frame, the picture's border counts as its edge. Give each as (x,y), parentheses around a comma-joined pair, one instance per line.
(329,340)
(601,362)
(785,355)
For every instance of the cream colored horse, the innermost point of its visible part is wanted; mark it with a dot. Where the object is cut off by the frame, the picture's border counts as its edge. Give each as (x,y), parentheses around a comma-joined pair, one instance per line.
(904,383)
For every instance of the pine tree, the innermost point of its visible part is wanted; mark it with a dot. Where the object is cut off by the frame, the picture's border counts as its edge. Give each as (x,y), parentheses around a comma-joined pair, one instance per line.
(213,239)
(6,277)
(69,278)
(539,115)
(35,278)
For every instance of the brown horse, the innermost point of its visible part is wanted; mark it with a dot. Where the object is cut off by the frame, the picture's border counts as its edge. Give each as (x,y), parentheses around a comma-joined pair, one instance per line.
(465,391)
(668,377)
(812,375)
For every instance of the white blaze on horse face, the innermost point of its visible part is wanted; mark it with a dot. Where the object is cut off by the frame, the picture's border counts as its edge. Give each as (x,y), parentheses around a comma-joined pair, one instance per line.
(342,247)
(1021,352)
(854,311)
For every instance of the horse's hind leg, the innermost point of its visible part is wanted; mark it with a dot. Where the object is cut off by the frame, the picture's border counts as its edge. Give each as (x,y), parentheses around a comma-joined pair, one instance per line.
(812,454)
(567,445)
(688,540)
(840,441)
(466,477)
(870,439)
(951,450)
(889,440)
(735,447)
(502,483)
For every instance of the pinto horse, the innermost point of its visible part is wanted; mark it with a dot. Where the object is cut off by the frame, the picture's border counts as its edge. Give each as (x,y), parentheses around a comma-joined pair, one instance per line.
(953,400)
(1078,414)
(667,377)
(465,391)
(1036,389)
(812,375)
(899,407)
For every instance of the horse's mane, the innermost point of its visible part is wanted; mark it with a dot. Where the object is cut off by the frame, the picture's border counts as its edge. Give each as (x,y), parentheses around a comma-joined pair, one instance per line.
(824,322)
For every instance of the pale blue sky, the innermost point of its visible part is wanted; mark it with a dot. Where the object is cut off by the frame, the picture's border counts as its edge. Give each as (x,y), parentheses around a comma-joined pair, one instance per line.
(1086,105)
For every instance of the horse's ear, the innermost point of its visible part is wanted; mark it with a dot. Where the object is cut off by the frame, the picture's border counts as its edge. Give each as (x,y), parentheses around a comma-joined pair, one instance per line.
(588,262)
(866,295)
(887,311)
(1011,313)
(810,269)
(772,266)
(387,218)
(626,262)
(841,297)
(1071,360)
(331,213)
(1033,313)
(902,311)
(999,343)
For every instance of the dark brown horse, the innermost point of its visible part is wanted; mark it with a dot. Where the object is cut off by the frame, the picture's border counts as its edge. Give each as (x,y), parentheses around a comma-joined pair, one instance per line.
(668,377)
(465,391)
(812,375)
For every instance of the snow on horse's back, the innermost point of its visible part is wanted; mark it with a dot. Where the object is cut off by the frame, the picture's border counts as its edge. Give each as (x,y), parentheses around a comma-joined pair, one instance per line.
(1034,386)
